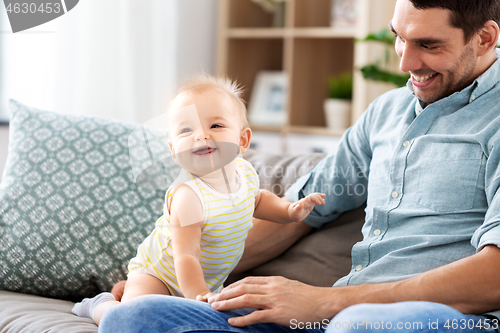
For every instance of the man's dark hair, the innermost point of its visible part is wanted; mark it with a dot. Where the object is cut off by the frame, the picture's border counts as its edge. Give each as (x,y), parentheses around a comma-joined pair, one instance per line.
(468,15)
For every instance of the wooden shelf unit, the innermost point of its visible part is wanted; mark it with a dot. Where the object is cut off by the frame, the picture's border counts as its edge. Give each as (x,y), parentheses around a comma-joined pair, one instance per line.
(306,48)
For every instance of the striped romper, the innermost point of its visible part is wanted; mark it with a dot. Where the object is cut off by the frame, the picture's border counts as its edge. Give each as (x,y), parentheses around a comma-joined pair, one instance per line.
(227,219)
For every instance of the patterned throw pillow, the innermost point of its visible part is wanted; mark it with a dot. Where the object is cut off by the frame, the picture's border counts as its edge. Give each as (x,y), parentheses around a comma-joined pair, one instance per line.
(71,213)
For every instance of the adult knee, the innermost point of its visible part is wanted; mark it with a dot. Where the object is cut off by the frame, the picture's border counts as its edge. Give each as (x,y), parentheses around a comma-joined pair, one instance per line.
(403,316)
(361,318)
(160,313)
(115,319)
(142,313)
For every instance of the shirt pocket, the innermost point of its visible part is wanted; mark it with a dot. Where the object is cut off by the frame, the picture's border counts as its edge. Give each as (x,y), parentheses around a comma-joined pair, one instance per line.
(448,176)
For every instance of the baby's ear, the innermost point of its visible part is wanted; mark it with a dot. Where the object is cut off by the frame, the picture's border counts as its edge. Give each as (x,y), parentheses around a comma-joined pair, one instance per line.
(171,147)
(245,137)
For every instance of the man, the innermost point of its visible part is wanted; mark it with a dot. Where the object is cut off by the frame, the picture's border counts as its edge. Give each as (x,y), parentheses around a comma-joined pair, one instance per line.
(429,158)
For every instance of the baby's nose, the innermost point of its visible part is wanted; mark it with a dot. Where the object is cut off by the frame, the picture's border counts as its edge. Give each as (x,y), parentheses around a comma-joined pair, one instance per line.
(201,135)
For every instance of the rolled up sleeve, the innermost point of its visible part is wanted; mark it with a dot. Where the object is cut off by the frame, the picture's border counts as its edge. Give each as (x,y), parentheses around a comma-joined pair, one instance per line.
(489,232)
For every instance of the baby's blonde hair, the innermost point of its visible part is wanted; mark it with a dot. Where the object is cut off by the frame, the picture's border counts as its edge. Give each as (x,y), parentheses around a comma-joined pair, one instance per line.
(204,82)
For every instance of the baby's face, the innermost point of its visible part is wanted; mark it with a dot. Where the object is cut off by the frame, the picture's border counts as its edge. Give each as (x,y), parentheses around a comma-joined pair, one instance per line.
(205,131)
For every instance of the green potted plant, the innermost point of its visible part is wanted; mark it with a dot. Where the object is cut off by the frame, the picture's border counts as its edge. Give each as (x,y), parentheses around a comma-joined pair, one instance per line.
(338,105)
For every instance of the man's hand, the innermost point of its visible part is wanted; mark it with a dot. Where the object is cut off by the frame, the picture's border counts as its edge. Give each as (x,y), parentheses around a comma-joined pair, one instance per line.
(280,300)
(299,210)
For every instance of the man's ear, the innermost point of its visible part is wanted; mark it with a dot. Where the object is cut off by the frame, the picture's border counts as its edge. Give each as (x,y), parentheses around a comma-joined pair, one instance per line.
(245,137)
(488,37)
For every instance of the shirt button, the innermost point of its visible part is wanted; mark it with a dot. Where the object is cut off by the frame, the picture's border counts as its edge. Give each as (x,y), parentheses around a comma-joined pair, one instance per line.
(376,232)
(358,268)
(473,97)
(394,194)
(406,144)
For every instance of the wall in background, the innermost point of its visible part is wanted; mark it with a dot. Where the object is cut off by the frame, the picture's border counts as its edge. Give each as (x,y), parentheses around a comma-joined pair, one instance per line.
(117,58)
(197,36)
(4,143)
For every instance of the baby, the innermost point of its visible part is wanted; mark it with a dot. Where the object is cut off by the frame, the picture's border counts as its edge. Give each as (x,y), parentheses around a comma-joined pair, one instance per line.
(201,236)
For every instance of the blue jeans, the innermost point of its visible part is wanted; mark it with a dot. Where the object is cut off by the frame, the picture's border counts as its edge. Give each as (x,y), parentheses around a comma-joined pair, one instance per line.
(409,317)
(155,314)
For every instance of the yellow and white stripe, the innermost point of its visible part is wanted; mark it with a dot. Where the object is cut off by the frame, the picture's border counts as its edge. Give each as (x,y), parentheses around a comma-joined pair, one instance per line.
(223,235)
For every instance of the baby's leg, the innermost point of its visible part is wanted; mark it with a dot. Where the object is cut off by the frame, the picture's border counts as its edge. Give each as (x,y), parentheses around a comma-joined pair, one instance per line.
(137,285)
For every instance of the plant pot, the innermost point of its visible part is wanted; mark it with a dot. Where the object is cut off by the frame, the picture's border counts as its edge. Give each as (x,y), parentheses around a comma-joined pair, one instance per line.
(337,113)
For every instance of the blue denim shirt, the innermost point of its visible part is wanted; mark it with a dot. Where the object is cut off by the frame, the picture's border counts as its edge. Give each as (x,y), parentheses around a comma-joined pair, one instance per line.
(430,182)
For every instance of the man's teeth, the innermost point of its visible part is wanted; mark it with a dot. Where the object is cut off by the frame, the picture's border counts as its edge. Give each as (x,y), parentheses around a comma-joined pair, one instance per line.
(422,78)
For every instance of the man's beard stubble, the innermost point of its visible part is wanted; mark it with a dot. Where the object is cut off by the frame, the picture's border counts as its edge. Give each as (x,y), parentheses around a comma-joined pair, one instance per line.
(466,62)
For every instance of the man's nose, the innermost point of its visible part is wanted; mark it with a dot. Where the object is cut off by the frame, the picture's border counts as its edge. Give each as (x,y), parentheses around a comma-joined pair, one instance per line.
(410,57)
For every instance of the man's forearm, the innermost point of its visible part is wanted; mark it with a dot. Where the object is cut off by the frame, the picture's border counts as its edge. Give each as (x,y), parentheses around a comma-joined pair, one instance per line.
(469,285)
(267,240)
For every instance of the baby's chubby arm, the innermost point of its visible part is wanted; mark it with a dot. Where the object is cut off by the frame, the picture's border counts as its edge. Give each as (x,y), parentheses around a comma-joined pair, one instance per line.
(186,225)
(269,206)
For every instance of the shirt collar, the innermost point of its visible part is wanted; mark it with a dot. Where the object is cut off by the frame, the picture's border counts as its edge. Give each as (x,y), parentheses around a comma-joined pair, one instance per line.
(476,89)
(487,80)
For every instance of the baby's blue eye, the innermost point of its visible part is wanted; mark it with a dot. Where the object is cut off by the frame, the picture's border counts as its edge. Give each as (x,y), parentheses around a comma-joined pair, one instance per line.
(216,126)
(185,130)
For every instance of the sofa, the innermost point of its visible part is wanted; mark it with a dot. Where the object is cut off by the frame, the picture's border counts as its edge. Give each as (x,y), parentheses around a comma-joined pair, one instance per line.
(72,213)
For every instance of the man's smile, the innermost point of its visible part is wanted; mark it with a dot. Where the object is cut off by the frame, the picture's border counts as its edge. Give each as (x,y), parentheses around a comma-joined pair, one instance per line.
(423,81)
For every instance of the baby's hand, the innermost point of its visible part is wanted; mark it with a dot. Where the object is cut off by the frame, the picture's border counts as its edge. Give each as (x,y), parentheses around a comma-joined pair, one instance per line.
(204,298)
(300,209)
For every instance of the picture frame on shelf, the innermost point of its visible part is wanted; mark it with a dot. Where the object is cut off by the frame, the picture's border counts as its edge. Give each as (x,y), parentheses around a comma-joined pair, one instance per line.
(267,105)
(344,13)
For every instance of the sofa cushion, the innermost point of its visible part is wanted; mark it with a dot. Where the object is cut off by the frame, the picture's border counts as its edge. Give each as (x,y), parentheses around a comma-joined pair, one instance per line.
(71,214)
(22,313)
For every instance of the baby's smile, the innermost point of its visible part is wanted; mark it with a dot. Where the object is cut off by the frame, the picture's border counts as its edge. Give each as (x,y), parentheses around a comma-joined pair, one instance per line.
(204,150)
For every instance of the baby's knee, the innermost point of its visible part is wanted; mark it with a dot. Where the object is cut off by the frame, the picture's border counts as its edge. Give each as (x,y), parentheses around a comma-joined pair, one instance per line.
(118,289)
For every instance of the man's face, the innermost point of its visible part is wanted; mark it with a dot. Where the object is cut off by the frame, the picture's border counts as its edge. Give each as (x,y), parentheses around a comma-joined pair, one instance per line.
(433,51)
